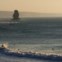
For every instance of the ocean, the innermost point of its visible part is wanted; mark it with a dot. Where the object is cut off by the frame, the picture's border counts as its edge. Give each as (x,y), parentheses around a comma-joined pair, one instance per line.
(43,35)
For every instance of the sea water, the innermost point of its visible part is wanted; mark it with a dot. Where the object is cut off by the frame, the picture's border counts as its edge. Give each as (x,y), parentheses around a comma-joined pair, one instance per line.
(43,35)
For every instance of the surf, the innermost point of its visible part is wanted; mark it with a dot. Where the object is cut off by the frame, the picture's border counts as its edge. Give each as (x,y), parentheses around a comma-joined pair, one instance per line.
(33,55)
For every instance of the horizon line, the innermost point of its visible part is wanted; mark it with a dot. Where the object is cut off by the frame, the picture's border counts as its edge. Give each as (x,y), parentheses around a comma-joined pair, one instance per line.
(30,12)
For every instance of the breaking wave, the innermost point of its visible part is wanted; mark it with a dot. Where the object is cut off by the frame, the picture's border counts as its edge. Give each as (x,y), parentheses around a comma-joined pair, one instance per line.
(32,55)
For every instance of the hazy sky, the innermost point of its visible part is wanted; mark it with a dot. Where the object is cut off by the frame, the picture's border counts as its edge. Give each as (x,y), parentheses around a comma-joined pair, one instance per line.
(43,6)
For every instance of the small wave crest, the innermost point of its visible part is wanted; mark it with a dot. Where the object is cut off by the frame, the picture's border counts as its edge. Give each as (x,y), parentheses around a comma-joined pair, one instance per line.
(32,55)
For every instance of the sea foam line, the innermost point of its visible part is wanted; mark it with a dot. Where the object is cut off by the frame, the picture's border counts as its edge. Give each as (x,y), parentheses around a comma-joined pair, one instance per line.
(33,55)
(8,22)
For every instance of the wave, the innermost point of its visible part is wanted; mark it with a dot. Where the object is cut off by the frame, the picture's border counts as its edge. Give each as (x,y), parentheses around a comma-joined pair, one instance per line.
(40,56)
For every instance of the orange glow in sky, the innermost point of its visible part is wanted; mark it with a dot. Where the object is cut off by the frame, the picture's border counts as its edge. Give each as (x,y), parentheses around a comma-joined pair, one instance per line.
(43,6)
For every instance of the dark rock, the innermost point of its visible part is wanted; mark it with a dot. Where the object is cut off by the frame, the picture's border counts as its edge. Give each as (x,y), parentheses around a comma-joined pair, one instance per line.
(16,15)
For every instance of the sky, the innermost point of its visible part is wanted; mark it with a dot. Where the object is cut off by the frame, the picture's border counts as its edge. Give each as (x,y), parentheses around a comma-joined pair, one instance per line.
(41,6)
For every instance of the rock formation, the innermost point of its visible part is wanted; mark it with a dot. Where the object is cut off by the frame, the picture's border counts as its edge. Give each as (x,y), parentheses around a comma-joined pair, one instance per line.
(16,14)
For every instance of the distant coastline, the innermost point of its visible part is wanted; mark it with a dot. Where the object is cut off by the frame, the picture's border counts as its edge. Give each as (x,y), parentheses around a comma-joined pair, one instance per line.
(8,14)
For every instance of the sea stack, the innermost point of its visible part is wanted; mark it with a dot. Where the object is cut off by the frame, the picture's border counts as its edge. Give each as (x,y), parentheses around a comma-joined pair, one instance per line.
(16,15)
